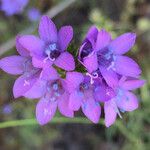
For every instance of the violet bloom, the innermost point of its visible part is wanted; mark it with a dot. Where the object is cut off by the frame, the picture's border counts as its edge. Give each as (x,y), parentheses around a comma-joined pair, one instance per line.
(51,46)
(34,14)
(124,100)
(82,95)
(54,95)
(7,109)
(11,7)
(99,51)
(22,65)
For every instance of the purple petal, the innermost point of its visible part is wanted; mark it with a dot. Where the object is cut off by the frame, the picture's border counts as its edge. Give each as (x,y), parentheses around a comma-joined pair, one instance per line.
(123,43)
(91,63)
(110,113)
(91,110)
(21,50)
(103,40)
(103,93)
(132,84)
(37,90)
(45,111)
(92,32)
(126,66)
(75,100)
(63,106)
(128,102)
(33,44)
(47,30)
(40,63)
(73,80)
(65,61)
(13,64)
(65,35)
(92,35)
(49,73)
(110,76)
(23,84)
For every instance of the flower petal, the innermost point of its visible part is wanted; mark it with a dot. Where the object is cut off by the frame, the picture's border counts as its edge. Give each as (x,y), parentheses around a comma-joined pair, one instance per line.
(110,76)
(103,40)
(123,43)
(49,73)
(126,66)
(91,63)
(75,100)
(47,30)
(45,111)
(33,44)
(65,35)
(23,84)
(110,113)
(103,93)
(37,90)
(132,84)
(128,102)
(40,63)
(73,80)
(21,50)
(91,110)
(13,64)
(92,32)
(65,61)
(92,35)
(63,106)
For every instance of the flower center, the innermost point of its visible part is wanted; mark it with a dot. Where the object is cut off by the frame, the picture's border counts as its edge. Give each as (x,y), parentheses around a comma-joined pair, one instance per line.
(92,76)
(55,90)
(52,52)
(106,59)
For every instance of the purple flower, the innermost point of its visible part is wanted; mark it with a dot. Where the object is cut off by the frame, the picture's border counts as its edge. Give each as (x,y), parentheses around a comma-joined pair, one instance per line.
(53,95)
(82,95)
(7,109)
(51,46)
(11,7)
(34,14)
(22,65)
(124,100)
(100,52)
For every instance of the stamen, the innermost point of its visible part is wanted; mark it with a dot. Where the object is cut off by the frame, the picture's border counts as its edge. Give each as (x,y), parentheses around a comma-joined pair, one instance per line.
(116,109)
(26,83)
(111,66)
(47,112)
(48,58)
(92,76)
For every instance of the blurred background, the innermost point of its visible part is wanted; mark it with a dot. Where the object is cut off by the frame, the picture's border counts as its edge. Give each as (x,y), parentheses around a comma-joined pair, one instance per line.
(116,16)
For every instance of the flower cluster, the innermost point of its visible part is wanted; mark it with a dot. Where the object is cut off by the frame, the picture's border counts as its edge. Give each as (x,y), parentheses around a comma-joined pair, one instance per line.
(47,72)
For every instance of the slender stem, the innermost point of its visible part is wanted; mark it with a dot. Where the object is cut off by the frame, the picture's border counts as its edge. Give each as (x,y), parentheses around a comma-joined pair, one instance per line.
(25,122)
(77,120)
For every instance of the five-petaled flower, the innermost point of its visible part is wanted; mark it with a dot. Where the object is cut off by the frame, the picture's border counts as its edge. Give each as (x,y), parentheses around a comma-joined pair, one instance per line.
(51,46)
(100,52)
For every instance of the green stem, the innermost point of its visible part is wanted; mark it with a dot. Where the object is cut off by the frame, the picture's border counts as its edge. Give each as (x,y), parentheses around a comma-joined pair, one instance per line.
(79,120)
(25,122)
